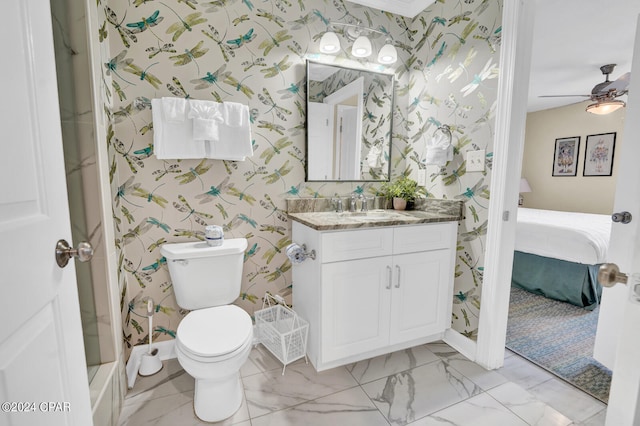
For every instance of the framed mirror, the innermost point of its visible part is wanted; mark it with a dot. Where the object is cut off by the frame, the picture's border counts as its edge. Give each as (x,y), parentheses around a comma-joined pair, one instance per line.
(349,122)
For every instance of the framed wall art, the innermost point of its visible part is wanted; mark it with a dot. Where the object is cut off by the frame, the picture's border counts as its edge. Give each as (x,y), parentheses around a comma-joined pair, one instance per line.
(565,156)
(598,156)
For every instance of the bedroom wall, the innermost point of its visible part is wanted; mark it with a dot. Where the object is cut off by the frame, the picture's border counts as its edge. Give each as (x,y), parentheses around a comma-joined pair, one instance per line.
(588,194)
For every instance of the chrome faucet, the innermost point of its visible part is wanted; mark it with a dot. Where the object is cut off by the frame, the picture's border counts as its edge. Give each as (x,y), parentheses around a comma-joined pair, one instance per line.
(363,199)
(352,204)
(336,201)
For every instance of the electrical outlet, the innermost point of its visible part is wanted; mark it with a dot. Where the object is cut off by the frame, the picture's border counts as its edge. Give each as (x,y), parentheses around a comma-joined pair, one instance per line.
(422,177)
(475,160)
(414,174)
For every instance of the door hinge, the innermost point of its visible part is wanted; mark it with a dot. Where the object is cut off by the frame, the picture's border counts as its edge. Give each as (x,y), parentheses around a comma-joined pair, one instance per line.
(505,216)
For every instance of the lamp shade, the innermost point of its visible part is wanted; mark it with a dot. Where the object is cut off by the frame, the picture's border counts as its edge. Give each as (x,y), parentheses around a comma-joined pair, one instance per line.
(605,107)
(524,185)
(329,43)
(388,54)
(361,47)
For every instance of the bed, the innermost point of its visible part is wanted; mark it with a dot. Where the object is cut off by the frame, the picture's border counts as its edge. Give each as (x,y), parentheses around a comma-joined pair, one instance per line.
(558,254)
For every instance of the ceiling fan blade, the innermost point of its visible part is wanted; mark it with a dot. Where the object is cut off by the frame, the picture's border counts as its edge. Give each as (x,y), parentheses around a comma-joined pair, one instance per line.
(564,96)
(618,85)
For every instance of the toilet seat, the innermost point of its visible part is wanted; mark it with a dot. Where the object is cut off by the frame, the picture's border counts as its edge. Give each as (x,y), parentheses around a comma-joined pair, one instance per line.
(214,334)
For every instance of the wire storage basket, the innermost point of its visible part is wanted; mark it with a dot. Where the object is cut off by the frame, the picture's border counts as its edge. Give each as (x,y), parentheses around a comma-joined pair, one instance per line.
(281,330)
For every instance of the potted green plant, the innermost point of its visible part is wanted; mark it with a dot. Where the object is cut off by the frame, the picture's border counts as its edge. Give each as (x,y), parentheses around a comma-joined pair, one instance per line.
(402,190)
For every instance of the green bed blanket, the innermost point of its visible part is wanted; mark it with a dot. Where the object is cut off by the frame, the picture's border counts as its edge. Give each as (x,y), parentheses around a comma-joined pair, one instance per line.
(569,282)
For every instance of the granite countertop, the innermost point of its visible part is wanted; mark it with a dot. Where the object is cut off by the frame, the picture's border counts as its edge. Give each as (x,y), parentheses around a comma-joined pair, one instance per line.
(331,220)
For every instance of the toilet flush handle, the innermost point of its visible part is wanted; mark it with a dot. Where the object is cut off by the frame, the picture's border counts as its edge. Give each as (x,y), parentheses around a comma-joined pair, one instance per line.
(182,262)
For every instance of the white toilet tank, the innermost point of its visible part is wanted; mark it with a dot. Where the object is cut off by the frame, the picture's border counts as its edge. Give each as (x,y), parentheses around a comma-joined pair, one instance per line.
(205,276)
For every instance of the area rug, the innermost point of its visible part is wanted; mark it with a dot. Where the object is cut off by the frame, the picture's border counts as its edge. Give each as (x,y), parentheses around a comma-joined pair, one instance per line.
(558,337)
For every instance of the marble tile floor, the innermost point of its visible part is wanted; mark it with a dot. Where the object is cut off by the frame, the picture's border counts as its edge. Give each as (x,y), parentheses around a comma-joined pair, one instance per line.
(428,385)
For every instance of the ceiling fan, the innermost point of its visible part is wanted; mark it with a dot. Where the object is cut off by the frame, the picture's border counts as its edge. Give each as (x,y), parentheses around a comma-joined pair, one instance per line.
(604,94)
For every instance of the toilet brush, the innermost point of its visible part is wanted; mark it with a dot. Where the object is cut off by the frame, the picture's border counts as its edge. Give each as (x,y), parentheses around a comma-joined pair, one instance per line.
(150,363)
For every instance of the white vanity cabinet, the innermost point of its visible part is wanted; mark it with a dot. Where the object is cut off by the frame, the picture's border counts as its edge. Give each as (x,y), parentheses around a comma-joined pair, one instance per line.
(374,290)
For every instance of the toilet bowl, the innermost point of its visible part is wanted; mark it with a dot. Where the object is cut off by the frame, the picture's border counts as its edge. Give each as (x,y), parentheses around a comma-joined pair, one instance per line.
(212,344)
(214,340)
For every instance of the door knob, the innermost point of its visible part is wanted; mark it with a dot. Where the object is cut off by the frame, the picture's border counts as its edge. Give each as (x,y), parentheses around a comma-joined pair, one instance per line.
(609,274)
(64,252)
(622,217)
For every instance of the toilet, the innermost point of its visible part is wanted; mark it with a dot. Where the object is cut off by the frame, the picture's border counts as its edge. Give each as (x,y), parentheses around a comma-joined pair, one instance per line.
(214,340)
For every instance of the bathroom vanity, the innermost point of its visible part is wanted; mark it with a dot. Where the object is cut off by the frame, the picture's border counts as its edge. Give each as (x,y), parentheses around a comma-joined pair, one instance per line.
(381,281)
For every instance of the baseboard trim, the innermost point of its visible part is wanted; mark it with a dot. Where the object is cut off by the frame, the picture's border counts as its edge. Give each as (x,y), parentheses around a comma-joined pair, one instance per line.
(461,343)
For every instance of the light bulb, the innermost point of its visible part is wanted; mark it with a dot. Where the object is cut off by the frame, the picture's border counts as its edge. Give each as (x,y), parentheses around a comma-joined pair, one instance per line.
(361,47)
(607,107)
(329,43)
(388,54)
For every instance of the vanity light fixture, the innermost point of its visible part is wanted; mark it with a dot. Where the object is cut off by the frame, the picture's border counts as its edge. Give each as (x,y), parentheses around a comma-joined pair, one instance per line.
(362,47)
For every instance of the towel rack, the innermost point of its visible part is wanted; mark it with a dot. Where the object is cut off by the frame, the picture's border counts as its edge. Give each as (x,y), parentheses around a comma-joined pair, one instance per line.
(446,130)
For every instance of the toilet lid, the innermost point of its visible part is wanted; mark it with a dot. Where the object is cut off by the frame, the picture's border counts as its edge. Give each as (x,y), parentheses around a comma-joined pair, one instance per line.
(214,331)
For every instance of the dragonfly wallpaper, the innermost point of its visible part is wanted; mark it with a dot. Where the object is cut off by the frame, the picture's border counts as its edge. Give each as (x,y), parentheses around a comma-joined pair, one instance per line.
(254,52)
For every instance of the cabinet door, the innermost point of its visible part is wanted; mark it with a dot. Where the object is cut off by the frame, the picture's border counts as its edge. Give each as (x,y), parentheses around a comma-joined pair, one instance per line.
(356,297)
(420,295)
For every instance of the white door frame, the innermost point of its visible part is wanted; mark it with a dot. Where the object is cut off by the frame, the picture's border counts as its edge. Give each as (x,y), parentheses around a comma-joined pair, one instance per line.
(517,28)
(41,347)
(620,309)
(511,116)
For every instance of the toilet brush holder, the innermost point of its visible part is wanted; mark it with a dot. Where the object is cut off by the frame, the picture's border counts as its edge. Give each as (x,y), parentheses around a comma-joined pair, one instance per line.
(150,362)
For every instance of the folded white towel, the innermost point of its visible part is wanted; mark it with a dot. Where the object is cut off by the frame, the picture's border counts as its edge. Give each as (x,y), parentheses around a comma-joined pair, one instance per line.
(439,156)
(440,140)
(174,109)
(374,157)
(173,140)
(439,149)
(207,117)
(236,114)
(234,142)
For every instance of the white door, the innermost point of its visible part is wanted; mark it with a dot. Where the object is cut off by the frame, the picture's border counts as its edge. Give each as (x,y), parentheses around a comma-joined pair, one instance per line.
(43,378)
(617,342)
(320,142)
(349,142)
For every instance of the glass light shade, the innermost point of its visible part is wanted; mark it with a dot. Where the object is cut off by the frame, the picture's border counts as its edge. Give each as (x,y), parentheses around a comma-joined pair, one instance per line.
(329,43)
(361,47)
(388,54)
(606,107)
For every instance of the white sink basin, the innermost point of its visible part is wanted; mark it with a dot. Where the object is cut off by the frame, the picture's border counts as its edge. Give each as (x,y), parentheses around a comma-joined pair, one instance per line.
(373,215)
(368,216)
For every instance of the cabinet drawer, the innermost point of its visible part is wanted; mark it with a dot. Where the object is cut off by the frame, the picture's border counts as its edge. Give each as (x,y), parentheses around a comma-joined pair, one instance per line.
(359,244)
(433,236)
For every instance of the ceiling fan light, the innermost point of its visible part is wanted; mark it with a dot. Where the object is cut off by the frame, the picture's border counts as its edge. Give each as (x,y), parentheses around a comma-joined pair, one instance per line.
(388,54)
(361,47)
(606,107)
(329,43)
